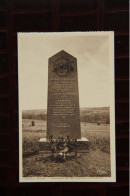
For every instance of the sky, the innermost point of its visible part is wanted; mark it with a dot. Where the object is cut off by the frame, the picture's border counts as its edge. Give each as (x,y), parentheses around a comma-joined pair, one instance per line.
(93,56)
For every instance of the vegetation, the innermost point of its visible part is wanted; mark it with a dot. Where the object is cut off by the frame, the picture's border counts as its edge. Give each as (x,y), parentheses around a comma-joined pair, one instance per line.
(89,115)
(62,145)
(34,116)
(99,136)
(30,142)
(95,162)
(96,118)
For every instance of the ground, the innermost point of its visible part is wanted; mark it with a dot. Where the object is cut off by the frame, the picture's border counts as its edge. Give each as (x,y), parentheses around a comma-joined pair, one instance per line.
(95,162)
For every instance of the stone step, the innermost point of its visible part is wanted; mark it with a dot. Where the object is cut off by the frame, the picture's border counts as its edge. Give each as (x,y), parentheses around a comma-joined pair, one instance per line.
(81,145)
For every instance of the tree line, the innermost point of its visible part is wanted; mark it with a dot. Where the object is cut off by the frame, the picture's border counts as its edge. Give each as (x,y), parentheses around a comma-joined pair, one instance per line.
(90,118)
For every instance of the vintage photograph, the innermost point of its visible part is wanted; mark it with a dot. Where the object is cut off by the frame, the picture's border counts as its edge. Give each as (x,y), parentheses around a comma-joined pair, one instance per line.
(66,107)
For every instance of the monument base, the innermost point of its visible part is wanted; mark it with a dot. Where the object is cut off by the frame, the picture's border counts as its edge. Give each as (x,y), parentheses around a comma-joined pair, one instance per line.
(82,145)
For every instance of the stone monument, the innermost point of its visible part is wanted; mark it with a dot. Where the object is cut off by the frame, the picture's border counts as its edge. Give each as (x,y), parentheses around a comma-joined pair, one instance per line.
(63,97)
(63,116)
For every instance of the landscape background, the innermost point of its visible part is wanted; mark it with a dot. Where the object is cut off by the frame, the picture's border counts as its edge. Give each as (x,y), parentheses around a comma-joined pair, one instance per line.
(90,115)
(95,126)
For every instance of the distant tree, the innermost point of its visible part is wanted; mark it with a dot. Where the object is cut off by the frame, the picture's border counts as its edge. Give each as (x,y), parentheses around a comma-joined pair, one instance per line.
(96,118)
(33,123)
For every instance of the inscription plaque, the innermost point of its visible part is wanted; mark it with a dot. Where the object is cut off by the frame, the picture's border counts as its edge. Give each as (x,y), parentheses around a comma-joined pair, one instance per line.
(63,97)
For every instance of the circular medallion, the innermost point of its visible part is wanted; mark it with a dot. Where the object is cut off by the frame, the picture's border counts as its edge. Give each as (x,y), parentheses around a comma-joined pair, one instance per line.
(62,67)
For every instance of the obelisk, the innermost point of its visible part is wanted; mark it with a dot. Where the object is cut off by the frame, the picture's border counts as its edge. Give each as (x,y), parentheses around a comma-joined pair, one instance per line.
(63,116)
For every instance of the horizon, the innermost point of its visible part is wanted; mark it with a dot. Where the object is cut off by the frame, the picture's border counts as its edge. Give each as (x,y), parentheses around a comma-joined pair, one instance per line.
(79,108)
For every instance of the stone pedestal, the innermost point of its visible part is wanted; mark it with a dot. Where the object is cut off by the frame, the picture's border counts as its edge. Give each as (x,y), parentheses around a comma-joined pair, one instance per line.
(82,145)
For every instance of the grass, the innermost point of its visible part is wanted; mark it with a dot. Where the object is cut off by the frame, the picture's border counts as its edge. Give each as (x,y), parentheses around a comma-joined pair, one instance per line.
(30,142)
(92,164)
(96,162)
(99,136)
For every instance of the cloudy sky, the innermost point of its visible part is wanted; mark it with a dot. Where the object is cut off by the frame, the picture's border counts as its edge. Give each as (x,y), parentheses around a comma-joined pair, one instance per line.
(93,61)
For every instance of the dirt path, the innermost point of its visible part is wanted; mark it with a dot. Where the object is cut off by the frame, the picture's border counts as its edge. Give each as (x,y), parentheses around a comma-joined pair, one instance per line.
(93,163)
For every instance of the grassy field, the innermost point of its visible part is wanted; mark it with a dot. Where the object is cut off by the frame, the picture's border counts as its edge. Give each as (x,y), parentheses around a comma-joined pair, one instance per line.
(96,162)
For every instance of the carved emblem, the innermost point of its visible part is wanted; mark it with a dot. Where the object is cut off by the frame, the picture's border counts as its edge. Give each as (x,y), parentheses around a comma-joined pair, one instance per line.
(63,67)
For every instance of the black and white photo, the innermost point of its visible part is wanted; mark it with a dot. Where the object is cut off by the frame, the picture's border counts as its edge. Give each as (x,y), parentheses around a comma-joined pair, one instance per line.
(66,107)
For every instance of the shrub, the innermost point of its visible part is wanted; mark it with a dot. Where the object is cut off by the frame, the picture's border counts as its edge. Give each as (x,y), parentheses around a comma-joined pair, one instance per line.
(101,143)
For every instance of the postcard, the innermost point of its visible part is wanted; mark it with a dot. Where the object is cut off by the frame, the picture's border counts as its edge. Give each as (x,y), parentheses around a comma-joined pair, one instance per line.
(66,107)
